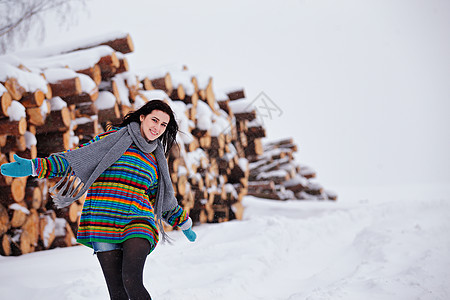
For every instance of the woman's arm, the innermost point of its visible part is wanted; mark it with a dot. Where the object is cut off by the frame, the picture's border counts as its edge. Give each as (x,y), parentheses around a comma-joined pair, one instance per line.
(178,217)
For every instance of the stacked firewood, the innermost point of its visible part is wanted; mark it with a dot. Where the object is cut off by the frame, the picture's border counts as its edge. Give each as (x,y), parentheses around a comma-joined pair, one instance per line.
(53,100)
(56,100)
(274,173)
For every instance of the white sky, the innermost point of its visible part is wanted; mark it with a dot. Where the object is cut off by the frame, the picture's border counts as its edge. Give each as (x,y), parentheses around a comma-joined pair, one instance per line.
(363,86)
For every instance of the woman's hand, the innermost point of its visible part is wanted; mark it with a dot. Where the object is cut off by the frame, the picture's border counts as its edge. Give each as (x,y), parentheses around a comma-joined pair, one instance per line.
(190,234)
(20,168)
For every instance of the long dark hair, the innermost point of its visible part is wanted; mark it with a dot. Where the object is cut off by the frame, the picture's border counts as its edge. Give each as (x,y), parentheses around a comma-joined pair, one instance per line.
(168,138)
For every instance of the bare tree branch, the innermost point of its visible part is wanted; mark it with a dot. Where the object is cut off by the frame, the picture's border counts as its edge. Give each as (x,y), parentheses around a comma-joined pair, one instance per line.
(18,17)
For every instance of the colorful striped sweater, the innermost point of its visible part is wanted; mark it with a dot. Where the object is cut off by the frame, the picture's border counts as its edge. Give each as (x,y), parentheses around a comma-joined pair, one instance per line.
(119,204)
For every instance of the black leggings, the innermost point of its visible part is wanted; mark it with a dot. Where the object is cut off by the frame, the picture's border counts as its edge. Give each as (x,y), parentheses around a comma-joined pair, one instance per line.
(123,270)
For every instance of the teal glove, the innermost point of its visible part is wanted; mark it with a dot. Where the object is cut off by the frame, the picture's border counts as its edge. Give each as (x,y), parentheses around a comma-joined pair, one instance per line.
(20,168)
(190,234)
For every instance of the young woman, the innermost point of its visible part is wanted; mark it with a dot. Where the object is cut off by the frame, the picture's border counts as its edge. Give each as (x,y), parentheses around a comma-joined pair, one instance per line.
(129,193)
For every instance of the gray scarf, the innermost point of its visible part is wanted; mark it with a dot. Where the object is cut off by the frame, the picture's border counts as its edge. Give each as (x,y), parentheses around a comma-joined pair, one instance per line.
(87,163)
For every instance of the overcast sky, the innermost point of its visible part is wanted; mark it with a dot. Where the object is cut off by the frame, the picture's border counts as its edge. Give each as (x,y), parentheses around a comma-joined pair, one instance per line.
(362,86)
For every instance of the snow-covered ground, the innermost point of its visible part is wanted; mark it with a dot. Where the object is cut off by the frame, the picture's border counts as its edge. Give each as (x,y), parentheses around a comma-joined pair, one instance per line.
(394,245)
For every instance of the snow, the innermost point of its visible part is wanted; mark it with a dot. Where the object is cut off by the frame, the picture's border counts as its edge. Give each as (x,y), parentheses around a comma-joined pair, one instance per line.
(87,84)
(390,244)
(16,111)
(105,100)
(30,139)
(182,78)
(155,95)
(297,180)
(221,125)
(122,90)
(31,82)
(204,116)
(17,206)
(56,50)
(241,106)
(79,60)
(56,103)
(53,75)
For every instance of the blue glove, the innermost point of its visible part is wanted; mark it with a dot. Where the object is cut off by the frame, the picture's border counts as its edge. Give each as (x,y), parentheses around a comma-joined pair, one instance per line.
(20,168)
(190,234)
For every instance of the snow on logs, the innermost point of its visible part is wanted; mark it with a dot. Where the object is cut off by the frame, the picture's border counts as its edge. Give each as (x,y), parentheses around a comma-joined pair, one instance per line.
(55,99)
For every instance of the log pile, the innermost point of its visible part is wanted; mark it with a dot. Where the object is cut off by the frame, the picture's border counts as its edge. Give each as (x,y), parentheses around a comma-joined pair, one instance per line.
(274,173)
(62,97)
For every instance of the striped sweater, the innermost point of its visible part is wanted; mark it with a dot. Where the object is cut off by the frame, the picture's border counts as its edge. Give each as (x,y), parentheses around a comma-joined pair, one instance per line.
(119,204)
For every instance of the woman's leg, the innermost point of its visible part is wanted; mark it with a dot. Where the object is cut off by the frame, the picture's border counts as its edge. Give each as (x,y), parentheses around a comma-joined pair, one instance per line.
(111,262)
(135,251)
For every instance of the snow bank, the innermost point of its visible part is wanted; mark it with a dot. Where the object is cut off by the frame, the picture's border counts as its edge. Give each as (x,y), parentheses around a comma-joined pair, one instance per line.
(379,248)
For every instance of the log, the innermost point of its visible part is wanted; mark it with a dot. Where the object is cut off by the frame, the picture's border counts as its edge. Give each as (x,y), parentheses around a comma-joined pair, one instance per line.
(237,211)
(108,65)
(70,213)
(20,242)
(256,132)
(33,99)
(86,109)
(13,127)
(66,87)
(6,100)
(47,228)
(15,143)
(81,98)
(31,226)
(94,72)
(57,120)
(35,115)
(254,148)
(109,114)
(52,142)
(237,94)
(18,214)
(123,66)
(249,116)
(33,197)
(64,236)
(123,44)
(5,246)
(14,88)
(14,193)
(163,83)
(178,93)
(4,220)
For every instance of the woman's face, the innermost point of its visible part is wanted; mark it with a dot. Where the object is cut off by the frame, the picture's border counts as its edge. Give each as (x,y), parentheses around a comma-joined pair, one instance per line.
(154,124)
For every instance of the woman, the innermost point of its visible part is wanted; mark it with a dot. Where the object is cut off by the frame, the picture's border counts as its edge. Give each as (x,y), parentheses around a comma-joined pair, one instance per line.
(129,192)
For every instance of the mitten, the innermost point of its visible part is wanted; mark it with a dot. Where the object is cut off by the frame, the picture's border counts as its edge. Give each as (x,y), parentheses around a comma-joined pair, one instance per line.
(21,167)
(190,234)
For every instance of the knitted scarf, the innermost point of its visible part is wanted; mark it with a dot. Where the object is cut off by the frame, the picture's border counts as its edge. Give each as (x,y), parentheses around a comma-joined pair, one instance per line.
(87,163)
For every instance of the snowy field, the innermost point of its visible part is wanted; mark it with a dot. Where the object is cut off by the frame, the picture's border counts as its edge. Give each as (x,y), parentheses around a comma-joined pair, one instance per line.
(394,245)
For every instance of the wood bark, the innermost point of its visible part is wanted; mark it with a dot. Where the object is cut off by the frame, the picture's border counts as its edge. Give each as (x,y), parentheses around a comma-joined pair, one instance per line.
(6,101)
(66,87)
(235,95)
(94,72)
(34,99)
(57,120)
(13,127)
